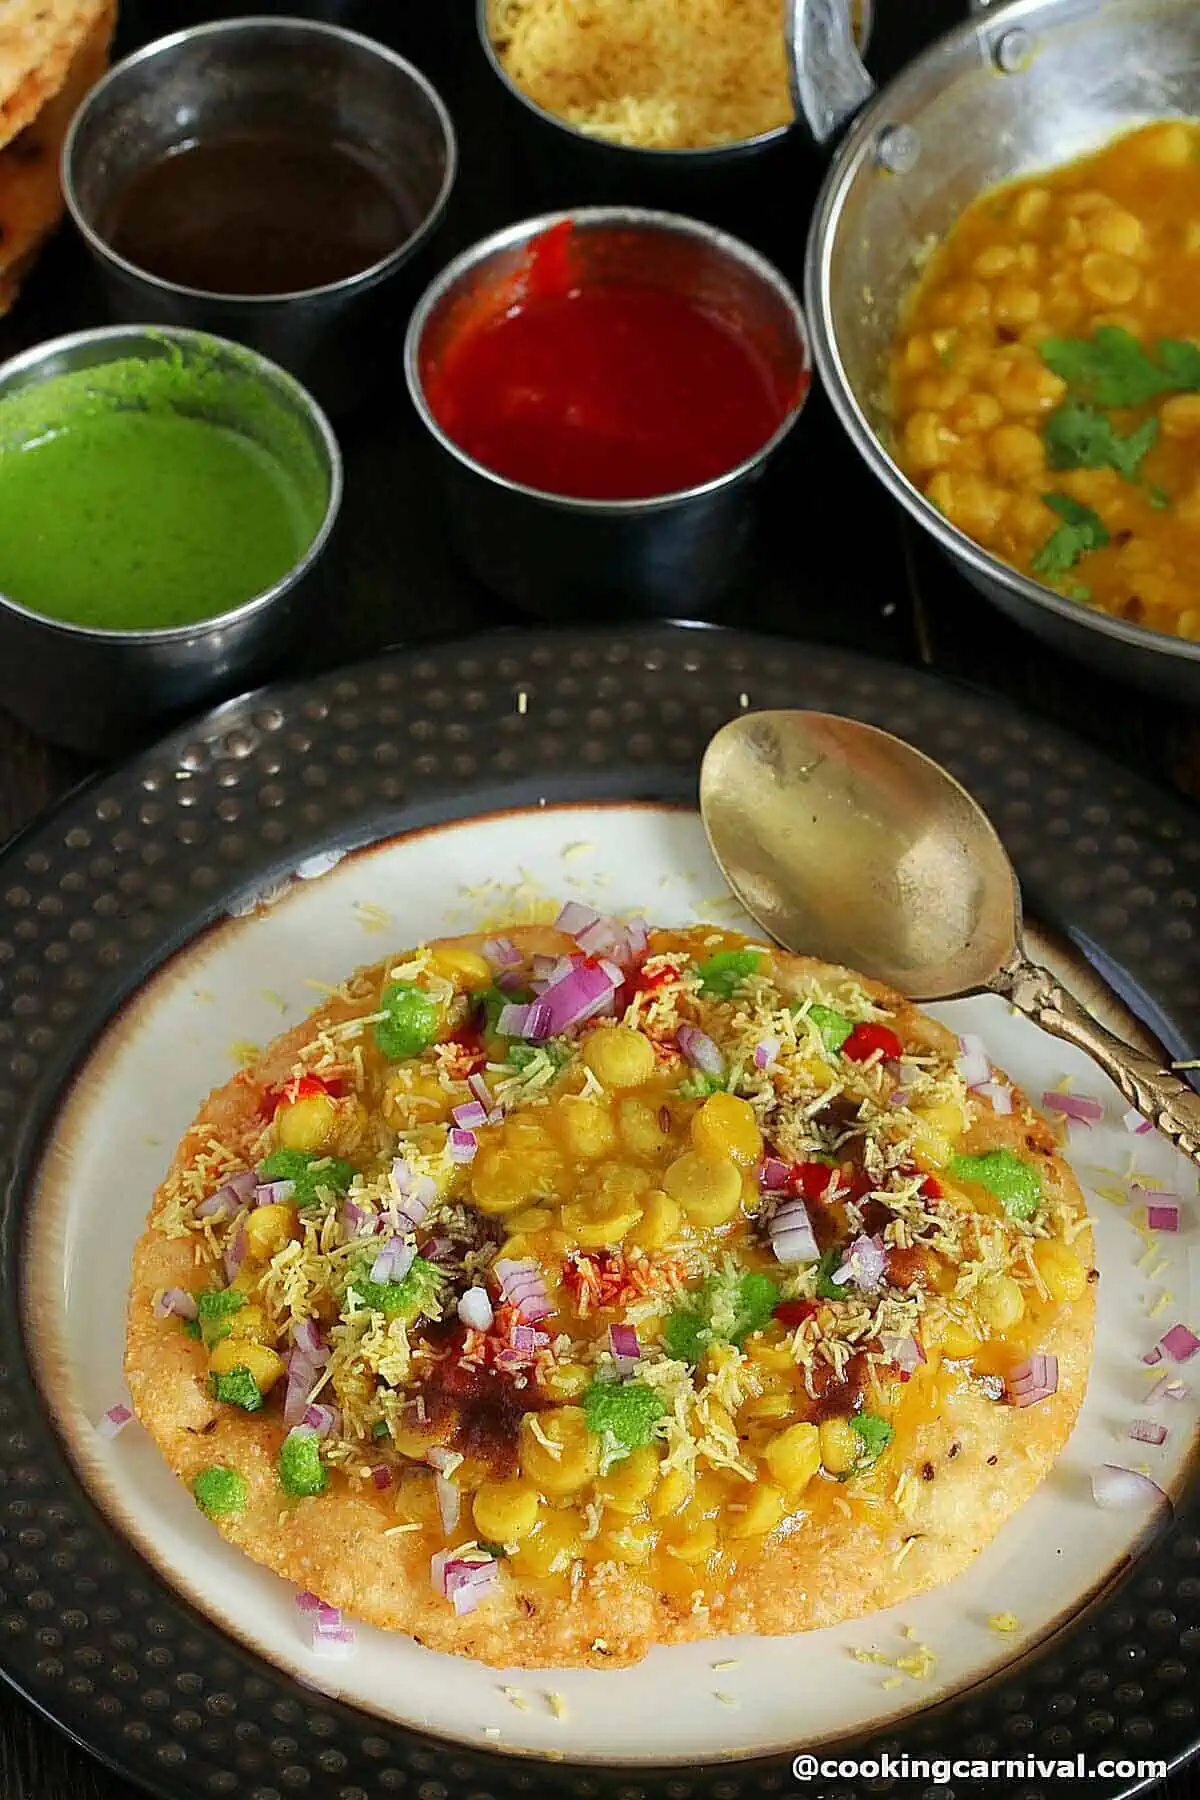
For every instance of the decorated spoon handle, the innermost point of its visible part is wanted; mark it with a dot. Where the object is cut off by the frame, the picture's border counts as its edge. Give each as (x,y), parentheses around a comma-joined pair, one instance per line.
(1157,1093)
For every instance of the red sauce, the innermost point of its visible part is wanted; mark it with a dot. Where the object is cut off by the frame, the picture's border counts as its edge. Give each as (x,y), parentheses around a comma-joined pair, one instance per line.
(605,391)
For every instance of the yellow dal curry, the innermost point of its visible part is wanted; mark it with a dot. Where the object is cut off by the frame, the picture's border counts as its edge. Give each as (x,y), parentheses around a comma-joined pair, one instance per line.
(1046,382)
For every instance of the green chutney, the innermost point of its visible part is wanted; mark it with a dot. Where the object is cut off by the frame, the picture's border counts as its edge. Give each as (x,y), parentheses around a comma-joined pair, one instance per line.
(140,495)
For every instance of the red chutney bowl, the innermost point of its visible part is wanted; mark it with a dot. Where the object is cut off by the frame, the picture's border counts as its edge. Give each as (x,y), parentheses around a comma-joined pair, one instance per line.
(604,388)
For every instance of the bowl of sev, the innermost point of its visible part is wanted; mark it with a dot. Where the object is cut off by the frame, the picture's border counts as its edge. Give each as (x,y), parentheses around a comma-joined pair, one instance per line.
(650,101)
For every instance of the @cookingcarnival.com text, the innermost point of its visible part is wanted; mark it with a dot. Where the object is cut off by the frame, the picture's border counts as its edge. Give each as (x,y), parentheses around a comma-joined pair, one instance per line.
(941,1769)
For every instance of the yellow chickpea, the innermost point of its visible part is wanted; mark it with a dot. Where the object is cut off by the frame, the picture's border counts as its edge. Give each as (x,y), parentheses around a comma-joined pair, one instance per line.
(928,442)
(1016,453)
(793,1456)
(1168,146)
(250,1322)
(939,391)
(659,1223)
(1000,1303)
(1022,383)
(673,1492)
(710,1193)
(969,501)
(645,1127)
(765,1509)
(630,1542)
(1030,519)
(609,1207)
(522,1166)
(978,412)
(692,1540)
(465,969)
(307,1123)
(567,1380)
(995,260)
(629,1483)
(839,1446)
(1111,279)
(1030,208)
(558,1452)
(586,1128)
(505,1511)
(242,1353)
(768,1409)
(414,1096)
(1180,416)
(725,1127)
(1063,1273)
(619,1057)
(553,1545)
(962,303)
(1016,303)
(1113,229)
(955,1341)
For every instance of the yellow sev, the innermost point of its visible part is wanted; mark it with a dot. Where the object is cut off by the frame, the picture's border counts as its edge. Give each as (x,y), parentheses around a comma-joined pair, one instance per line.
(655,74)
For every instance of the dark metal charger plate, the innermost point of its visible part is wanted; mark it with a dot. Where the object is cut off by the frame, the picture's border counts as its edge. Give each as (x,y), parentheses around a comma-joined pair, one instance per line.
(98,894)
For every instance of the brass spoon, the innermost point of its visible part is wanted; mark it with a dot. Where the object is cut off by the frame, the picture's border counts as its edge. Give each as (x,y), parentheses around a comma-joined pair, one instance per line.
(845,843)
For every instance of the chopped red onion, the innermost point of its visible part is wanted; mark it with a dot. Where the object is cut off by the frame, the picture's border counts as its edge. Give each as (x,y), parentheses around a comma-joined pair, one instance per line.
(627,1352)
(1147,1431)
(274,1193)
(1162,1207)
(773,1175)
(570,1000)
(1180,1344)
(237,1192)
(511,981)
(1134,1122)
(524,1339)
(356,1222)
(449,1502)
(700,1050)
(175,1301)
(1168,1388)
(864,1264)
(638,933)
(766,1052)
(1114,1487)
(902,1348)
(114,1420)
(575,917)
(791,1233)
(1034,1380)
(502,953)
(973,1064)
(463,1583)
(1000,1095)
(513,1018)
(470,1115)
(323,1419)
(481,1091)
(381,1475)
(475,1309)
(1152,1356)
(1077,1107)
(304,1369)
(463,1146)
(414,1195)
(307,1602)
(523,1287)
(331,1636)
(235,1254)
(306,1335)
(394,1260)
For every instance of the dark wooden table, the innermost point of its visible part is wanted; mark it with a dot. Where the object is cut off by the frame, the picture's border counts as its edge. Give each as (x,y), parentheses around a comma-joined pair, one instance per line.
(835,562)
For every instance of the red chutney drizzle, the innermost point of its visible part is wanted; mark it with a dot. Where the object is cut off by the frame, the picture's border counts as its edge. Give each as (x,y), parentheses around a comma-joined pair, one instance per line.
(607,391)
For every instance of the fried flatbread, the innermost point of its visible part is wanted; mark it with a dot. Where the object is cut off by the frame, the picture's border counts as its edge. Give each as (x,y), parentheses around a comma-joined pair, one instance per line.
(39,40)
(723,1534)
(31,202)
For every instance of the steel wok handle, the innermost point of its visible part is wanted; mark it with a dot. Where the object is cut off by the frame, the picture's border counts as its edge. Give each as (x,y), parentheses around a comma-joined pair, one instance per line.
(828,78)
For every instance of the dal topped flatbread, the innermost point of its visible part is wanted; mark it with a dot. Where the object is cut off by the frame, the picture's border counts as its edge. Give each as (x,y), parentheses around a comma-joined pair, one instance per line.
(39,40)
(672,1287)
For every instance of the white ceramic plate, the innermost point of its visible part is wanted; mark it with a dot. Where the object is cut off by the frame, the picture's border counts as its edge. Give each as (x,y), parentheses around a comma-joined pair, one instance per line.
(243,981)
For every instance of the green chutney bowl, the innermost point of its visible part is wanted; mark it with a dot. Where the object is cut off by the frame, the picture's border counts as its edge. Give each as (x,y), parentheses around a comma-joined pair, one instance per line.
(165,499)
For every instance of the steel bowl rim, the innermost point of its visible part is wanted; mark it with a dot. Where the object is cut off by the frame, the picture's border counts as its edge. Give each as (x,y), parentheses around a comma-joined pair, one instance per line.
(365,278)
(827,361)
(275,375)
(523,231)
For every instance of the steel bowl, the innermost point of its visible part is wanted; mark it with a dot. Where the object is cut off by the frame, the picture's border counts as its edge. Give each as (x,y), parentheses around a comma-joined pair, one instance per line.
(668,556)
(748,185)
(104,691)
(1021,87)
(307,77)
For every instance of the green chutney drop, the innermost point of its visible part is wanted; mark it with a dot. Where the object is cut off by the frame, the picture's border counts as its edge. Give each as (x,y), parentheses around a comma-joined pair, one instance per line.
(127,520)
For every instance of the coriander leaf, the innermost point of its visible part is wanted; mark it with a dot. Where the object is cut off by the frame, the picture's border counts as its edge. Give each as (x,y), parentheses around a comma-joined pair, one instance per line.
(687,1334)
(1016,1184)
(722,973)
(698,1085)
(1158,497)
(219,1491)
(1081,531)
(736,1308)
(834,1027)
(406,1299)
(496,1551)
(238,1388)
(1181,362)
(1110,368)
(624,1411)
(1078,436)
(301,1471)
(214,1311)
(827,1287)
(876,1435)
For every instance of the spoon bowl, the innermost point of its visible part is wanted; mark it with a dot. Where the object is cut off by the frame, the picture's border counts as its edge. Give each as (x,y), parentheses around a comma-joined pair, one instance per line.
(844,842)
